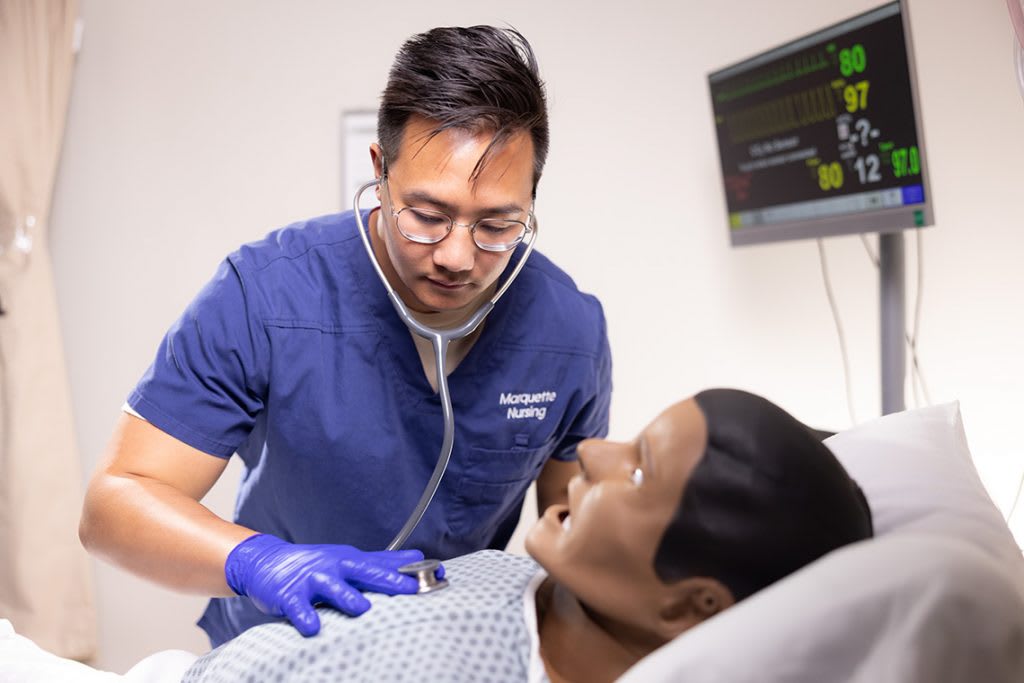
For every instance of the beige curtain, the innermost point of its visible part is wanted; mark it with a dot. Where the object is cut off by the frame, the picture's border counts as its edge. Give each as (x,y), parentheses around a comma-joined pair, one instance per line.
(45,584)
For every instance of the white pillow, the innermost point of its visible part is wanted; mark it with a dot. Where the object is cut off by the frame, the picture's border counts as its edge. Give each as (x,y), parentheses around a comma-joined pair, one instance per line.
(917,473)
(936,596)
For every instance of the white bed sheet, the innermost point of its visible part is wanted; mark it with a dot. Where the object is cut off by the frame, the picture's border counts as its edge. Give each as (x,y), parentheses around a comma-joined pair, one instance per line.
(936,597)
(22,661)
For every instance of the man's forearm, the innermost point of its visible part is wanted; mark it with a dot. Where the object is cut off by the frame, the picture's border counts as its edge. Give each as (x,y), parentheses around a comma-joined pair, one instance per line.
(154,531)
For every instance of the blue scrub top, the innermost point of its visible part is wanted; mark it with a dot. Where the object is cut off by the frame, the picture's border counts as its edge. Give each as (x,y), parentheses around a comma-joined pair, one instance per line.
(293,357)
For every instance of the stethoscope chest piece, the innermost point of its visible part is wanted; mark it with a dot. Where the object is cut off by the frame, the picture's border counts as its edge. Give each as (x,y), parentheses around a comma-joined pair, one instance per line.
(424,572)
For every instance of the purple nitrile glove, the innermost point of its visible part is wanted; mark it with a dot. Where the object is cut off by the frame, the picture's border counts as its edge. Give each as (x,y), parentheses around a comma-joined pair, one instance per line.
(288,579)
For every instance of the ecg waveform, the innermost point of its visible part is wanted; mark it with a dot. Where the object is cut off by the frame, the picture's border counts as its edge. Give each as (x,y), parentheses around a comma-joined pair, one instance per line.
(782,114)
(762,79)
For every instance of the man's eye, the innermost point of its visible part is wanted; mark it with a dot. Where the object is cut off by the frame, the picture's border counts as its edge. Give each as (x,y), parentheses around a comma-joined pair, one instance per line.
(497,228)
(428,218)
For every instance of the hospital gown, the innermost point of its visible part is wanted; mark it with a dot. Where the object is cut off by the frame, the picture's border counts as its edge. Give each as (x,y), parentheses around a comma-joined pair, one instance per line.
(481,628)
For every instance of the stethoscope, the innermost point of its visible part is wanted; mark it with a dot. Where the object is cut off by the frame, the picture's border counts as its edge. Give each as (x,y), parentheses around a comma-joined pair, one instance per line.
(439,339)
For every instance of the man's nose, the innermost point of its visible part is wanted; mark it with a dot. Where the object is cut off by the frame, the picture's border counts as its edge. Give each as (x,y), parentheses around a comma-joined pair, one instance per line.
(456,252)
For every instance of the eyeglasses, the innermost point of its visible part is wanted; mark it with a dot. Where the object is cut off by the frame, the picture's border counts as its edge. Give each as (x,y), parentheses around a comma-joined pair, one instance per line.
(427,226)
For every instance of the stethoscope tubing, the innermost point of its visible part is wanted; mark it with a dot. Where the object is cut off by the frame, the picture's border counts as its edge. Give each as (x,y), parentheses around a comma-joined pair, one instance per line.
(440,340)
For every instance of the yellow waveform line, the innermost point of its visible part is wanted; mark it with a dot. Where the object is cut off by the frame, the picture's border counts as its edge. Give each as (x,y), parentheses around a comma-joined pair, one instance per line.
(782,114)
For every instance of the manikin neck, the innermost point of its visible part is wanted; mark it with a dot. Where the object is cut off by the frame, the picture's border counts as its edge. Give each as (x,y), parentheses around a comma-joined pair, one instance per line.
(576,645)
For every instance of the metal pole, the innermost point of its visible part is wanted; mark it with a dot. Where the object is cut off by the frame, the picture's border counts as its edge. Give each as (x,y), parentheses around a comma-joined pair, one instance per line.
(892,299)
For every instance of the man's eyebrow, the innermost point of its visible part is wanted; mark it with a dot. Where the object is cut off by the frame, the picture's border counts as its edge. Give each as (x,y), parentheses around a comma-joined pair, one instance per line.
(420,197)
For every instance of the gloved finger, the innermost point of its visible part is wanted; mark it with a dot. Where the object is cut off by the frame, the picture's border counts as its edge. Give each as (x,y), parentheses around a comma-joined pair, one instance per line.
(439,572)
(302,616)
(395,558)
(339,595)
(371,577)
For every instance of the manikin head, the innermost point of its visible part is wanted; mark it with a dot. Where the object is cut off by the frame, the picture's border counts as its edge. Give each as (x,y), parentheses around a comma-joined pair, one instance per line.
(462,129)
(720,496)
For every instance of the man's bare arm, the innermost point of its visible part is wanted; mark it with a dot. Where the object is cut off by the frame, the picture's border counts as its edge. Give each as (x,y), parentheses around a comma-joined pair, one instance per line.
(142,511)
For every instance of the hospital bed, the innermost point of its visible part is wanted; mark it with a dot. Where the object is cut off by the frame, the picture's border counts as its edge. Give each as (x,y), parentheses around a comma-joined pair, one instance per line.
(937,596)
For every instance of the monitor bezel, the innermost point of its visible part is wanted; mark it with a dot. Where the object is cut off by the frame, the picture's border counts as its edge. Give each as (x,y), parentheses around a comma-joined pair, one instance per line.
(896,219)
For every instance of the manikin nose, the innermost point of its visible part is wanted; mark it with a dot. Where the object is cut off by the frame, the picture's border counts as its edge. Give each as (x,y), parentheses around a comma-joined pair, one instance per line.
(603,459)
(596,455)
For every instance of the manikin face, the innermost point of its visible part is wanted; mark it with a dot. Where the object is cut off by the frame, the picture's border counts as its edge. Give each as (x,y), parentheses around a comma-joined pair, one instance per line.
(616,520)
(436,174)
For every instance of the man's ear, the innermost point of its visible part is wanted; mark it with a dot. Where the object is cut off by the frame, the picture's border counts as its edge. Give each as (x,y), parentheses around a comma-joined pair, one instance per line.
(691,601)
(377,157)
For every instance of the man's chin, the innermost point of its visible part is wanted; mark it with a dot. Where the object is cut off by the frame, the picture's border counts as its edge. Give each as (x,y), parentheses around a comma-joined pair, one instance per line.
(432,305)
(433,299)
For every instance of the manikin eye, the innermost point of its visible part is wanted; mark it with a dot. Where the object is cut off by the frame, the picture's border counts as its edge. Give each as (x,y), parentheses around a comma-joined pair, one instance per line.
(637,477)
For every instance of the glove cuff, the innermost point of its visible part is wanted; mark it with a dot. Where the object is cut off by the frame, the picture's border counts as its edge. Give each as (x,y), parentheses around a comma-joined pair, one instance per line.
(242,558)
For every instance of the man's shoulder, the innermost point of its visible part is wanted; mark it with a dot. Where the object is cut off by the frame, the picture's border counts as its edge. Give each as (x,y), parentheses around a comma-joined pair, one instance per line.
(295,244)
(556,309)
(544,272)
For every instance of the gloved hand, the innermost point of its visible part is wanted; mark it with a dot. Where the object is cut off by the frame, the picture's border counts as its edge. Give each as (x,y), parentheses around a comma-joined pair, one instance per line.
(288,579)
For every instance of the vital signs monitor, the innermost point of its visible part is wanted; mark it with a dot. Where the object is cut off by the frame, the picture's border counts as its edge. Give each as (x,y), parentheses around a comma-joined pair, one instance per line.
(822,136)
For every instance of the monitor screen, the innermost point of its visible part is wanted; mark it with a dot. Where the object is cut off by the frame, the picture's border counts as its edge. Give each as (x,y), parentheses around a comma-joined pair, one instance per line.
(822,136)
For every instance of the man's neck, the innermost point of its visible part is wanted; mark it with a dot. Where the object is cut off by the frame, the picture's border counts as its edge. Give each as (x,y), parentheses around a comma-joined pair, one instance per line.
(577,646)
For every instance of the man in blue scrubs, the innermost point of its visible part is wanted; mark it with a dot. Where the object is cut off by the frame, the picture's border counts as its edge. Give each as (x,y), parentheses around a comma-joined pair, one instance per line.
(293,358)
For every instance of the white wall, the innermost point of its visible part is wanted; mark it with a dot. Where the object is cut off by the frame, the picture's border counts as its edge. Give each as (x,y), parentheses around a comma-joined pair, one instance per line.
(195,126)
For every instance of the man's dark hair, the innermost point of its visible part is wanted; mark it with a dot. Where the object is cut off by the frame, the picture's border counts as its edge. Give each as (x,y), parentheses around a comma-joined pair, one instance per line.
(480,79)
(766,498)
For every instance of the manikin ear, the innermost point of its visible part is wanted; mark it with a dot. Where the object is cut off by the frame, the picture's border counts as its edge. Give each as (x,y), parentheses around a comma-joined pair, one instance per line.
(691,601)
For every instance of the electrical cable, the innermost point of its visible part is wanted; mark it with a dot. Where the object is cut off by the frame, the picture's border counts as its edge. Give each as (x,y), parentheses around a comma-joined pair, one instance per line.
(1019,49)
(867,247)
(918,375)
(917,379)
(839,330)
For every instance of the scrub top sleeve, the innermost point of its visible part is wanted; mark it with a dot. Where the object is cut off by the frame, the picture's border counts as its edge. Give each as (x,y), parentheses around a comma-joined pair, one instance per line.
(207,383)
(592,421)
